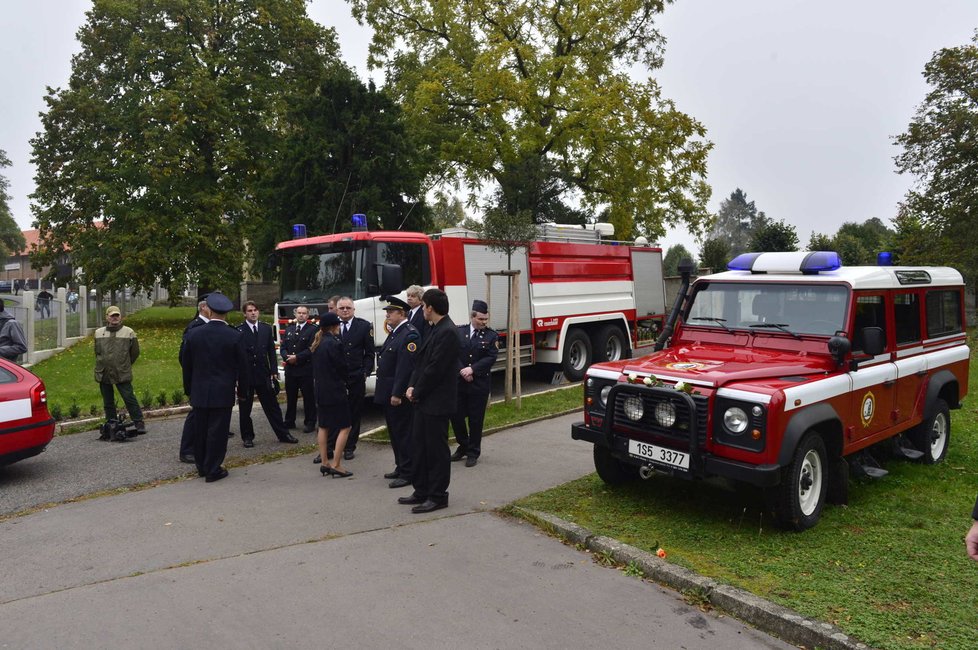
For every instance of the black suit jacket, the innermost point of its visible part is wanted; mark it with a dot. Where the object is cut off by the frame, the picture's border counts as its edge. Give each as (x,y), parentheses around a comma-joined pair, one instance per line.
(435,376)
(260,352)
(395,363)
(196,322)
(298,343)
(479,352)
(213,363)
(420,323)
(329,371)
(359,347)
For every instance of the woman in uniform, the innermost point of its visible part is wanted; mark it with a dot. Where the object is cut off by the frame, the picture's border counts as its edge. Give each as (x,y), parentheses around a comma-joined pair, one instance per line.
(332,407)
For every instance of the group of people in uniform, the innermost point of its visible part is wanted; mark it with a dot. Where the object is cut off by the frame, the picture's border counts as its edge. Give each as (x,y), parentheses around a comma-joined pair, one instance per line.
(431,374)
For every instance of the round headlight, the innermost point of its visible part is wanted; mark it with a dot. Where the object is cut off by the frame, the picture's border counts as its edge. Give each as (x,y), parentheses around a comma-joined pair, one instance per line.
(603,395)
(633,408)
(665,414)
(735,420)
(756,411)
(589,383)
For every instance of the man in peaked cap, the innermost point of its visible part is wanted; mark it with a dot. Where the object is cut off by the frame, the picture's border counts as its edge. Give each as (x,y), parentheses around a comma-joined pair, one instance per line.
(477,354)
(214,364)
(395,363)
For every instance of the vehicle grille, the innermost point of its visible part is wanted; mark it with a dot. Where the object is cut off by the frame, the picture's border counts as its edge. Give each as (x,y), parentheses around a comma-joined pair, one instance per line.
(648,429)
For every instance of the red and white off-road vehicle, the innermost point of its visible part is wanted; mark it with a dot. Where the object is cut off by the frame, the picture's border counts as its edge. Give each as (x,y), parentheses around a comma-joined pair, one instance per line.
(783,370)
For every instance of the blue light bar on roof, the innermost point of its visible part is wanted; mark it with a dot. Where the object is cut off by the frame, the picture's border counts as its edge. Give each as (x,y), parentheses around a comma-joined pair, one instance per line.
(788,262)
(299,231)
(821,261)
(743,262)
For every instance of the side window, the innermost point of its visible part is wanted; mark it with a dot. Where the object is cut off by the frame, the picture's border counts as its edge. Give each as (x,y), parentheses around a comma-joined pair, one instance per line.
(906,316)
(412,257)
(7,377)
(870,312)
(943,312)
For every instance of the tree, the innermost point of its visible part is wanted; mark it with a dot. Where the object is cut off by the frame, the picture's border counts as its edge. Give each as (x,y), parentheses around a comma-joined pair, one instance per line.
(820,242)
(149,161)
(446,212)
(675,255)
(508,232)
(940,148)
(715,254)
(775,237)
(11,237)
(537,98)
(736,221)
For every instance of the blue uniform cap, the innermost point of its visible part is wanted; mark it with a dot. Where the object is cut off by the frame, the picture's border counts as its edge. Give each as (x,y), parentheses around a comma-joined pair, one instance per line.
(480,306)
(328,320)
(219,303)
(397,303)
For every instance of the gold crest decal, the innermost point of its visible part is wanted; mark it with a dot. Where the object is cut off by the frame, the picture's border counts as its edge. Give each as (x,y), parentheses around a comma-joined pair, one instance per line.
(411,347)
(868,408)
(685,365)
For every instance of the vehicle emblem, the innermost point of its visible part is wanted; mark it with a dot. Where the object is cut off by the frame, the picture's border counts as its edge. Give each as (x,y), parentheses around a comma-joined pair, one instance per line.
(868,408)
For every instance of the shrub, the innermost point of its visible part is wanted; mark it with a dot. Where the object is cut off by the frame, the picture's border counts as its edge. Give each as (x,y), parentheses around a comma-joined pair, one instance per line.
(74,410)
(146,400)
(93,410)
(56,412)
(161,399)
(178,397)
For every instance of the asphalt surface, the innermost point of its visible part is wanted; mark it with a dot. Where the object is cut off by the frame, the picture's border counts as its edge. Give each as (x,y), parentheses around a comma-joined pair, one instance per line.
(276,556)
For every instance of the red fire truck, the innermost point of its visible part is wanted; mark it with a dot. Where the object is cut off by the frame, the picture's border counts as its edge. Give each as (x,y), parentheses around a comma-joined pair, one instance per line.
(784,372)
(581,299)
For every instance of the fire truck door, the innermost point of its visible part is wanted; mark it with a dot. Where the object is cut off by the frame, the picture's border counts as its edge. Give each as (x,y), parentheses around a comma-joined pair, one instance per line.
(873,396)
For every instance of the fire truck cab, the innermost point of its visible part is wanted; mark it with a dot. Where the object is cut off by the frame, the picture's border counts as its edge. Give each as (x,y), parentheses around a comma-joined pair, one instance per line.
(782,372)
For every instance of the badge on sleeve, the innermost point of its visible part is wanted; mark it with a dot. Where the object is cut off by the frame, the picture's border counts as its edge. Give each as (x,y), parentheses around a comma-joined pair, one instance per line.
(412,346)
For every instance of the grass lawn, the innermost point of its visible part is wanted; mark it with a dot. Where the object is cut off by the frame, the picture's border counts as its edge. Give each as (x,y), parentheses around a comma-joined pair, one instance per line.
(889,568)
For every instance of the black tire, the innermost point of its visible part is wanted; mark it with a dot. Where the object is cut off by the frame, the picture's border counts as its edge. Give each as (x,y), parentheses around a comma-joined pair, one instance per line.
(610,344)
(933,435)
(577,355)
(611,470)
(804,485)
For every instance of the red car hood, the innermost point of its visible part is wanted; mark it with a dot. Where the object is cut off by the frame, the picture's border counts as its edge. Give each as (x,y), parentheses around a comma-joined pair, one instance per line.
(723,365)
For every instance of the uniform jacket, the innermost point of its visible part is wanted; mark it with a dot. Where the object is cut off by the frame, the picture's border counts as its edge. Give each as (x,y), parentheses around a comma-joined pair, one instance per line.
(395,363)
(359,347)
(435,376)
(420,323)
(260,353)
(480,352)
(12,340)
(298,343)
(196,322)
(213,363)
(115,352)
(330,371)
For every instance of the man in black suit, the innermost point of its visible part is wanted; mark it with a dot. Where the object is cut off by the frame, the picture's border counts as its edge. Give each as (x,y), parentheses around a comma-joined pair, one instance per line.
(477,355)
(434,391)
(415,314)
(213,365)
(187,437)
(257,338)
(298,369)
(395,363)
(357,336)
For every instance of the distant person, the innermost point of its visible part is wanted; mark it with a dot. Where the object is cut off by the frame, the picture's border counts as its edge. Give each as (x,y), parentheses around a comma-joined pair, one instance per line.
(331,304)
(971,539)
(13,343)
(116,349)
(296,342)
(44,303)
(477,355)
(187,437)
(17,286)
(72,299)
(330,373)
(357,335)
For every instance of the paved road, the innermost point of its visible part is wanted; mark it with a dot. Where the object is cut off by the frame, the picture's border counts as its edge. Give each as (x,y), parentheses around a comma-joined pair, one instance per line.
(276,556)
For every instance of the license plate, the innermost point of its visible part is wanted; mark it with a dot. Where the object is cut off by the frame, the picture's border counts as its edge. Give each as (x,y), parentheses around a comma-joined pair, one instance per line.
(657,454)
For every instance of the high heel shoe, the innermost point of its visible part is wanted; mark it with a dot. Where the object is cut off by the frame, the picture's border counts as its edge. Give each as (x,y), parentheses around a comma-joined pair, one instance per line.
(339,473)
(324,470)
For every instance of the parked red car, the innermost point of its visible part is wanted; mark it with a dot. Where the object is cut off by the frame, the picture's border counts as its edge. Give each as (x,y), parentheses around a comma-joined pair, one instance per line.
(26,426)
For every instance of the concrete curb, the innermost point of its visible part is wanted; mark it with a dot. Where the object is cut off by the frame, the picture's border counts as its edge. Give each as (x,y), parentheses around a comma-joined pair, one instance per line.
(786,624)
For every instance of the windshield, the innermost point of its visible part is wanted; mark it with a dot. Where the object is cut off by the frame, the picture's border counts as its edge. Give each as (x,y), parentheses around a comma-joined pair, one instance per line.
(769,307)
(316,273)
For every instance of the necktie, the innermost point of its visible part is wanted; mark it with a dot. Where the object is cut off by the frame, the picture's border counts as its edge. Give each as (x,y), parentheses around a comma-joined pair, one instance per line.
(346,329)
(474,332)
(254,330)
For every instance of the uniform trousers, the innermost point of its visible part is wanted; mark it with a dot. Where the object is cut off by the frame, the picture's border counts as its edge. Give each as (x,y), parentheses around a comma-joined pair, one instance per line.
(293,385)
(472,405)
(187,437)
(431,459)
(128,397)
(268,399)
(399,426)
(211,426)
(355,391)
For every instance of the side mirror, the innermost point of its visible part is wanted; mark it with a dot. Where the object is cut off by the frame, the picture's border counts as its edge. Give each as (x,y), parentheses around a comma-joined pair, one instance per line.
(390,279)
(839,347)
(874,342)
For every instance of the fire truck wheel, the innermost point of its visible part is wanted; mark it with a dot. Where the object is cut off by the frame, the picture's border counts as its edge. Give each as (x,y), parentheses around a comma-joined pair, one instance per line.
(933,434)
(610,344)
(611,470)
(577,355)
(801,494)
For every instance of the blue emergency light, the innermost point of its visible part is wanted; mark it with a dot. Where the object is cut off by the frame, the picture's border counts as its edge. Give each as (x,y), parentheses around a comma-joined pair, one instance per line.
(359,221)
(298,231)
(804,262)
(884,259)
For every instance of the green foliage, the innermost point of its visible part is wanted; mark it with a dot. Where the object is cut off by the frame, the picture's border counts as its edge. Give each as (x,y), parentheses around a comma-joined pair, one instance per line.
(148,162)
(177,397)
(161,399)
(820,242)
(74,410)
(856,243)
(540,99)
(736,222)
(11,237)
(93,410)
(774,237)
(715,254)
(57,412)
(675,255)
(508,232)
(146,400)
(446,212)
(918,242)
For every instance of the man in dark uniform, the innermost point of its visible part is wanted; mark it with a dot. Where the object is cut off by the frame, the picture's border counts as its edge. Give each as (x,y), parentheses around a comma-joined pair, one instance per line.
(187,437)
(298,371)
(257,338)
(395,363)
(434,391)
(357,336)
(213,365)
(478,352)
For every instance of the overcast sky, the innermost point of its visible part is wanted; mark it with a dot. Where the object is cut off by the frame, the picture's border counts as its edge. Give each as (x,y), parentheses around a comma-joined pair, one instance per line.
(801,99)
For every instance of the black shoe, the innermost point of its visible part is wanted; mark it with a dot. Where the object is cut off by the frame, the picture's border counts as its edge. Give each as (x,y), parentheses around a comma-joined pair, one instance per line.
(411,500)
(187,458)
(290,425)
(394,474)
(459,454)
(318,459)
(249,443)
(399,483)
(309,428)
(230,434)
(140,428)
(324,469)
(221,473)
(349,454)
(289,438)
(429,506)
(105,436)
(471,461)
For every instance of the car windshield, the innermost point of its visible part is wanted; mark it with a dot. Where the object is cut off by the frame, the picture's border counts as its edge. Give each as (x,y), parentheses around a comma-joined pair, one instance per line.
(769,307)
(315,273)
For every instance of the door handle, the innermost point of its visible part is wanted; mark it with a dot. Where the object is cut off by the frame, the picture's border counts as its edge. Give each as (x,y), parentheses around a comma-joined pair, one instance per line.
(889,382)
